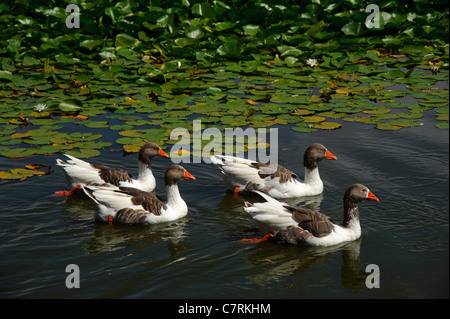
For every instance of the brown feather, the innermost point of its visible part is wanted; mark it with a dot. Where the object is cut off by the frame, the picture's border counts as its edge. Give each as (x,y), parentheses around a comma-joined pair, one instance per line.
(149,201)
(318,224)
(283,173)
(130,216)
(291,235)
(112,175)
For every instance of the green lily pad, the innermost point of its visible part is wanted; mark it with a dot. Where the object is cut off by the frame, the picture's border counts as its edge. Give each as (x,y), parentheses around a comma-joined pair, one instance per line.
(348,110)
(434,103)
(444,125)
(302,112)
(410,115)
(49,149)
(313,119)
(387,126)
(69,105)
(304,128)
(377,111)
(129,140)
(360,119)
(442,117)
(84,136)
(19,152)
(84,153)
(20,173)
(5,75)
(406,123)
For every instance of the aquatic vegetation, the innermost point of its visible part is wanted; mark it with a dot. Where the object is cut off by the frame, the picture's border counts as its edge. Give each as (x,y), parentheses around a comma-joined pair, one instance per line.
(134,71)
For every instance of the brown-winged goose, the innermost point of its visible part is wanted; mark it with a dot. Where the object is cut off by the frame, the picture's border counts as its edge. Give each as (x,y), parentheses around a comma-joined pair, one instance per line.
(79,172)
(245,175)
(126,205)
(293,224)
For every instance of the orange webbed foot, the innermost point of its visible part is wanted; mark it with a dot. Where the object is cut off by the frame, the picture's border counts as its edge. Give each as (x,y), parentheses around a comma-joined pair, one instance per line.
(68,193)
(256,240)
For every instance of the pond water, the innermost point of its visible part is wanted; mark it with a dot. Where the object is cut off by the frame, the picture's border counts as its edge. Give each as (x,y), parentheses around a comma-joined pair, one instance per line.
(405,234)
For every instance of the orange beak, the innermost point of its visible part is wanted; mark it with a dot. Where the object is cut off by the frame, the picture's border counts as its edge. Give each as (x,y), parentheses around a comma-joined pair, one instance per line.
(372,197)
(188,175)
(330,156)
(162,153)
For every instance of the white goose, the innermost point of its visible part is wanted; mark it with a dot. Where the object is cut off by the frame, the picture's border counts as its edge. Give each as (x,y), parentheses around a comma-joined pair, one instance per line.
(79,172)
(126,205)
(245,175)
(293,225)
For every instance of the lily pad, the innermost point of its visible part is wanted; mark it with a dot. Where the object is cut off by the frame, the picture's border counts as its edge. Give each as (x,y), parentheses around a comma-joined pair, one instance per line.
(20,173)
(19,152)
(327,126)
(387,126)
(84,153)
(96,124)
(442,117)
(444,125)
(406,123)
(129,140)
(69,105)
(304,128)
(313,119)
(377,111)
(133,148)
(302,112)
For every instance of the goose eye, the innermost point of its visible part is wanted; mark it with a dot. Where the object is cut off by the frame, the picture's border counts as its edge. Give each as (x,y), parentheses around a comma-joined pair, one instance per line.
(364,190)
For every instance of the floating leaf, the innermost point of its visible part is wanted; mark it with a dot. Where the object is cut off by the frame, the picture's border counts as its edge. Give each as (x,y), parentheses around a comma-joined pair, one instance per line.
(313,119)
(303,128)
(84,153)
(69,105)
(19,152)
(21,173)
(360,119)
(347,110)
(387,126)
(128,140)
(133,148)
(96,124)
(302,112)
(410,115)
(377,111)
(442,117)
(406,122)
(444,125)
(5,75)
(327,126)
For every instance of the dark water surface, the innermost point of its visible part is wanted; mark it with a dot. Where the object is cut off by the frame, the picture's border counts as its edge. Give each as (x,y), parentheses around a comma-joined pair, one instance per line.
(405,234)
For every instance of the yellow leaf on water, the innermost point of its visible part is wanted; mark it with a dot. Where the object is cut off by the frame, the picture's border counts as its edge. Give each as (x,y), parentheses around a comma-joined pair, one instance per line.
(281,121)
(327,126)
(131,100)
(258,146)
(180,153)
(20,135)
(343,91)
(252,102)
(301,112)
(313,119)
(133,148)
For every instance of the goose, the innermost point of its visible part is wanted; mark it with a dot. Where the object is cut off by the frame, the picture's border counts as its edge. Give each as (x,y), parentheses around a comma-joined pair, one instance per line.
(79,172)
(293,224)
(127,205)
(243,175)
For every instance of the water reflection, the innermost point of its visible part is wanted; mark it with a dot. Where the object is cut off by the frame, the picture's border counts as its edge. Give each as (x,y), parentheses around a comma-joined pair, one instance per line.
(282,261)
(107,238)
